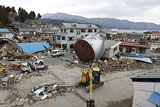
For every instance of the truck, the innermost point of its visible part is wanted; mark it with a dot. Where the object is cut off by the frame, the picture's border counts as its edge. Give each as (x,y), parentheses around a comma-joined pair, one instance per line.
(56,53)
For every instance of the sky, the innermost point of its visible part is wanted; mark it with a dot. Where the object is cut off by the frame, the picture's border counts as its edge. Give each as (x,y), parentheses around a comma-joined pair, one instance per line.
(133,10)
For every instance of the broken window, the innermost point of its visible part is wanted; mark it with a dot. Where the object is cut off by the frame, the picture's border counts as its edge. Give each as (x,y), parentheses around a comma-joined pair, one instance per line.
(90,30)
(83,30)
(61,30)
(115,49)
(95,30)
(63,38)
(70,38)
(71,30)
(58,38)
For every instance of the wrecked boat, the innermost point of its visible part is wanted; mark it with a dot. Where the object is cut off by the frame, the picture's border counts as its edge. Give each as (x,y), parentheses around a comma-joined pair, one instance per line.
(142,58)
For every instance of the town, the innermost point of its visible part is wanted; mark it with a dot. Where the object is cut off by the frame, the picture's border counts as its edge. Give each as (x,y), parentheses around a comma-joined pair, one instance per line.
(46,64)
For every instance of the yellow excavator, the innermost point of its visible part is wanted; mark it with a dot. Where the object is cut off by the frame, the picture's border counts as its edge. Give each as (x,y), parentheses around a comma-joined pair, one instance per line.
(91,80)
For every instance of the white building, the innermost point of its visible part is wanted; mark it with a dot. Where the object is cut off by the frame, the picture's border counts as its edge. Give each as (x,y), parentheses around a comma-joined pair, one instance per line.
(147,89)
(112,48)
(151,35)
(5,33)
(71,32)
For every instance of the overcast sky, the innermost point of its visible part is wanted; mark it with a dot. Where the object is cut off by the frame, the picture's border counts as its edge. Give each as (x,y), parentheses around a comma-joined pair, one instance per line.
(133,10)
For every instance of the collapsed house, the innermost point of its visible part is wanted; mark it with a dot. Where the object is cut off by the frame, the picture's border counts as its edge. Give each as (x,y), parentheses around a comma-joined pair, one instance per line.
(11,50)
(34,47)
(138,51)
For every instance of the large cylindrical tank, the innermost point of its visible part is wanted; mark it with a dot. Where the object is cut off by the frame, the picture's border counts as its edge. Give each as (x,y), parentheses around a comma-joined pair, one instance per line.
(90,48)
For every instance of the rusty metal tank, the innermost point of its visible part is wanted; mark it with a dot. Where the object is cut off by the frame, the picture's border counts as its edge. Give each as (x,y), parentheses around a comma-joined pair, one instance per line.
(90,48)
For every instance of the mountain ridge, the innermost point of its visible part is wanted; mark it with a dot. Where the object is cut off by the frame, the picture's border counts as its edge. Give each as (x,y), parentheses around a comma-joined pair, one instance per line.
(110,23)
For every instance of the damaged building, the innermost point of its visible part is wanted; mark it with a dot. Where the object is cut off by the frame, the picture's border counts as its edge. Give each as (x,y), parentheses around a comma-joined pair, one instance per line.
(135,48)
(71,32)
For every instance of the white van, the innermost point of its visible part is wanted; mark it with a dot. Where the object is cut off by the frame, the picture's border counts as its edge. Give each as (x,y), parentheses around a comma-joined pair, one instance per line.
(56,53)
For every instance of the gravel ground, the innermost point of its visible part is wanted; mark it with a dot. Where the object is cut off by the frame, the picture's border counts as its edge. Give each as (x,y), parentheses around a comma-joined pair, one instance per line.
(117,87)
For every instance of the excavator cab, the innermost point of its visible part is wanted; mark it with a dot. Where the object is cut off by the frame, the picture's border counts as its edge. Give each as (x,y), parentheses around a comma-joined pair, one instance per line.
(95,73)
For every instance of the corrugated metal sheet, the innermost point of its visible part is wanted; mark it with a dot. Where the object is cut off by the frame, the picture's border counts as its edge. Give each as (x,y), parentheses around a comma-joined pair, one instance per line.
(30,48)
(2,30)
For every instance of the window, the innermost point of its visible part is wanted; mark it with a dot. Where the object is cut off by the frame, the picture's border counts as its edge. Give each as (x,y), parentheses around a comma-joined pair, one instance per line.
(95,30)
(78,32)
(71,30)
(58,38)
(115,49)
(64,30)
(61,30)
(70,38)
(63,38)
(83,30)
(0,35)
(89,30)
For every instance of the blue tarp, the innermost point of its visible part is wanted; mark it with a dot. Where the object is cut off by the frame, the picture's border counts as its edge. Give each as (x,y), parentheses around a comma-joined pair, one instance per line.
(30,48)
(155,98)
(2,30)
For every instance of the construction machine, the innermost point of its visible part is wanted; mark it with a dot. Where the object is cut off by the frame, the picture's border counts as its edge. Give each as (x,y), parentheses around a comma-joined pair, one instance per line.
(91,80)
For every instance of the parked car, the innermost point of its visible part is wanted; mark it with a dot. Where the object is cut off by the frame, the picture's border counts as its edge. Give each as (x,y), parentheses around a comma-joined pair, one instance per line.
(56,53)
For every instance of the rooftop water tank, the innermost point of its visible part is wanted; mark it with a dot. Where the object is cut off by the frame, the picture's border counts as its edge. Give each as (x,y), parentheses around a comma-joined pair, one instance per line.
(90,48)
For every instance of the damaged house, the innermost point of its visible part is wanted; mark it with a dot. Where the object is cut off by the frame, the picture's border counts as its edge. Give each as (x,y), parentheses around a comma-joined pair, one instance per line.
(112,48)
(71,32)
(6,34)
(134,50)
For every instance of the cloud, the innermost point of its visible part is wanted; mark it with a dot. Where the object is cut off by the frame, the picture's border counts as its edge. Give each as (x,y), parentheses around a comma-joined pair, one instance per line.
(135,10)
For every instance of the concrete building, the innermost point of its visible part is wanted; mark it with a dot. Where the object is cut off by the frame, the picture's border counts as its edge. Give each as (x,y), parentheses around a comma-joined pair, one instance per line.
(112,48)
(151,35)
(147,89)
(49,36)
(27,32)
(71,32)
(5,33)
(135,48)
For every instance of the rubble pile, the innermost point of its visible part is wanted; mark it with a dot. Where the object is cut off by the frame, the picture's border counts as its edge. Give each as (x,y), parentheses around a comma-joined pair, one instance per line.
(157,50)
(14,72)
(50,90)
(123,64)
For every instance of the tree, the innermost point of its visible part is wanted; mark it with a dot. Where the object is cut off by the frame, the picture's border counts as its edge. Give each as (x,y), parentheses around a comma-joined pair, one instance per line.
(39,16)
(23,14)
(4,16)
(8,9)
(32,15)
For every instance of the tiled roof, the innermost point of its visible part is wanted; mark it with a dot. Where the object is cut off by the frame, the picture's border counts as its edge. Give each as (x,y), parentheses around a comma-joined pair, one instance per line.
(134,44)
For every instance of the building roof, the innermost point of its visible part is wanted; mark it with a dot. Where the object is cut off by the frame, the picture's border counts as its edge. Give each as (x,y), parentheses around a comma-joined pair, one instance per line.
(2,30)
(152,32)
(27,30)
(30,48)
(78,25)
(153,76)
(111,43)
(135,44)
